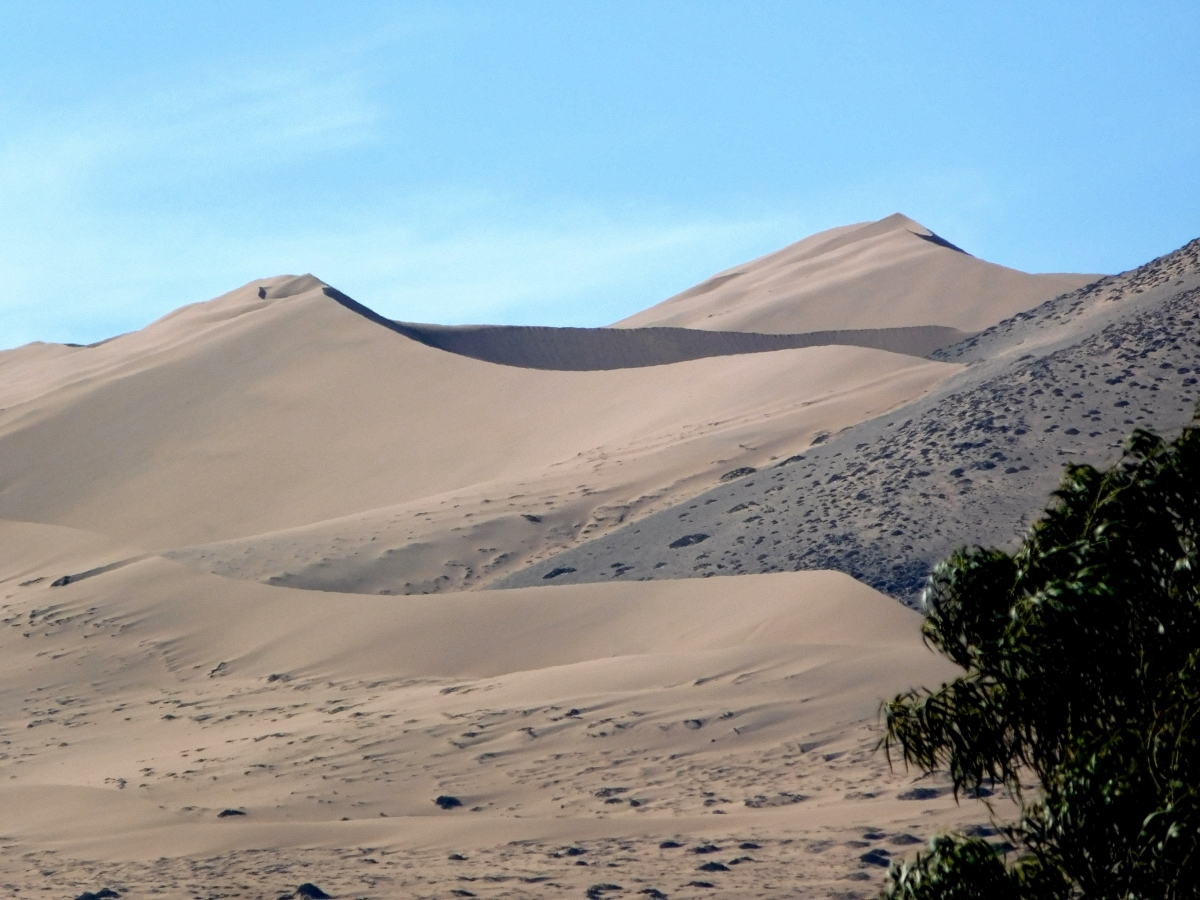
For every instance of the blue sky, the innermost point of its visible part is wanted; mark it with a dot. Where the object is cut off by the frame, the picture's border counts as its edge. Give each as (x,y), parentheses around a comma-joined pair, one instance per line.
(566,164)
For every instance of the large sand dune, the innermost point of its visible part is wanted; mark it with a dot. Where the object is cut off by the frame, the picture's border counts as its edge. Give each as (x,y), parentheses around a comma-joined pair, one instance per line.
(972,462)
(318,449)
(886,274)
(164,494)
(140,703)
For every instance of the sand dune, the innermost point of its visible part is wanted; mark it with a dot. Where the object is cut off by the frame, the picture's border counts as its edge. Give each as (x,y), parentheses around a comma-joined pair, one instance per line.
(973,461)
(167,730)
(696,423)
(886,274)
(142,702)
(335,453)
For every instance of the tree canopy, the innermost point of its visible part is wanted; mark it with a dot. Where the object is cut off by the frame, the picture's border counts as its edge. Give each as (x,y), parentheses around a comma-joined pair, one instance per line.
(1081,653)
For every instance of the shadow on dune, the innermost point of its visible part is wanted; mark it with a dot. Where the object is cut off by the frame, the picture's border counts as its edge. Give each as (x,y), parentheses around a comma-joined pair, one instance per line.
(592,349)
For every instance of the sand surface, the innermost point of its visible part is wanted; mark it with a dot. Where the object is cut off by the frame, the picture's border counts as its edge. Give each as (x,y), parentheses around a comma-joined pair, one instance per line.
(972,462)
(886,274)
(140,703)
(240,649)
(286,438)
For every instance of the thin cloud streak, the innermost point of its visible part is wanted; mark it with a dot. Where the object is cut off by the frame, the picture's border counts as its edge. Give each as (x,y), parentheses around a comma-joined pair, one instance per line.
(585,273)
(442,261)
(257,119)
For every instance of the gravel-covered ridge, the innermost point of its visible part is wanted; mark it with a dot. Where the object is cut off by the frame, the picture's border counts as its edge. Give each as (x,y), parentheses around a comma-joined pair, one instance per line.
(971,463)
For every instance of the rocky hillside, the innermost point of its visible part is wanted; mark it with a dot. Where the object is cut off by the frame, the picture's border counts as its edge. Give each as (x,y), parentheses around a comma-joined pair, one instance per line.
(971,463)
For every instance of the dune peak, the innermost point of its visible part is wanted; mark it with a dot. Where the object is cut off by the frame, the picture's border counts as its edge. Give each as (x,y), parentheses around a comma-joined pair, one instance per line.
(890,273)
(283,286)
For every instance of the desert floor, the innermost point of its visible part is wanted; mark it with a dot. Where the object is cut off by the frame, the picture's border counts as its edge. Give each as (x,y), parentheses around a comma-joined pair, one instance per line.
(641,736)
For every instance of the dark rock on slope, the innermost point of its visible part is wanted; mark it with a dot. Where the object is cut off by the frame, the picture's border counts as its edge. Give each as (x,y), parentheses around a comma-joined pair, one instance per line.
(971,463)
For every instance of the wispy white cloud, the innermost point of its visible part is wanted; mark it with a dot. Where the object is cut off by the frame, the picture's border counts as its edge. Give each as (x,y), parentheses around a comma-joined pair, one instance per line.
(84,233)
(257,118)
(442,260)
(572,268)
(90,249)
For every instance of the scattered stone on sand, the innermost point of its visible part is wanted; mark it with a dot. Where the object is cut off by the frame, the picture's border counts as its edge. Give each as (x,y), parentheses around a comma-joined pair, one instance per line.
(877,857)
(920,793)
(738,473)
(761,801)
(970,462)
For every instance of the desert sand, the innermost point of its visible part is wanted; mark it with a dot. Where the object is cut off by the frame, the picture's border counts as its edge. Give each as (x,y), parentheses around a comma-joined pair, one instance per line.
(244,644)
(298,442)
(575,725)
(972,461)
(886,274)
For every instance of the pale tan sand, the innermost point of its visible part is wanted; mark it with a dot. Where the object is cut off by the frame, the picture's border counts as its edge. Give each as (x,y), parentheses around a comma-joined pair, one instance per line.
(259,420)
(883,274)
(276,435)
(141,702)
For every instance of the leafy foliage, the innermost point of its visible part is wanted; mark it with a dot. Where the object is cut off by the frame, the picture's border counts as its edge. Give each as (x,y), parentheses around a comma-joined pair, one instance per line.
(1082,659)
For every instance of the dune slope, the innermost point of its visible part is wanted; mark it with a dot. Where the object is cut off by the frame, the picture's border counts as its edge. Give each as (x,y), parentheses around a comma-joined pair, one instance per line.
(151,698)
(300,442)
(886,274)
(972,462)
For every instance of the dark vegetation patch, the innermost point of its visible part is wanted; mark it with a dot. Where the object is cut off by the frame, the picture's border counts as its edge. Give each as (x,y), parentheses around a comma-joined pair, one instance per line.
(1078,651)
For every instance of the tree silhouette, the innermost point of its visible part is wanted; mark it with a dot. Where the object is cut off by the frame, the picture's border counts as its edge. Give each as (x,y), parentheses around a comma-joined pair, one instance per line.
(1082,659)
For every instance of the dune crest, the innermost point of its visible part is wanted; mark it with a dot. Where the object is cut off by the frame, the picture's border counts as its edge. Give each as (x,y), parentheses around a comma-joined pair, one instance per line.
(888,274)
(278,435)
(972,461)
